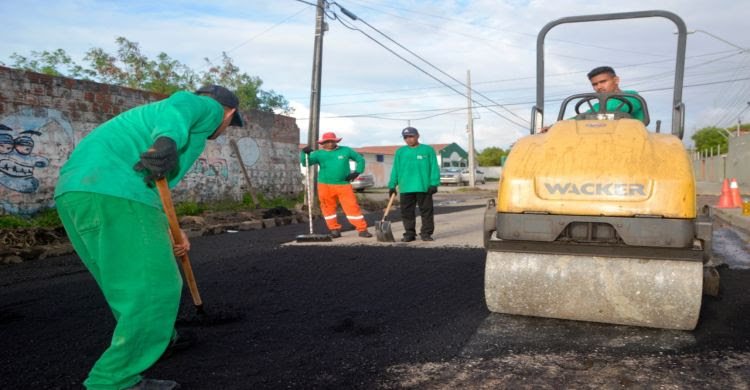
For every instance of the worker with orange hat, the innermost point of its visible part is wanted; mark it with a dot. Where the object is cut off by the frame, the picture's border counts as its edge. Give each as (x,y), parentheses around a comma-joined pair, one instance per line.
(334,182)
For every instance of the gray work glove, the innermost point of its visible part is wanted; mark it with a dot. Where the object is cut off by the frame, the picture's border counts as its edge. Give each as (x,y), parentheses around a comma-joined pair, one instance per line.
(158,160)
(391,192)
(307,149)
(432,190)
(352,176)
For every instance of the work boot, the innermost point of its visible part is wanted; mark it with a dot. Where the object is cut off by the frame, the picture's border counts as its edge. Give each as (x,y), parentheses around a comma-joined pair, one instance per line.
(365,234)
(155,384)
(335,233)
(183,340)
(408,239)
(427,237)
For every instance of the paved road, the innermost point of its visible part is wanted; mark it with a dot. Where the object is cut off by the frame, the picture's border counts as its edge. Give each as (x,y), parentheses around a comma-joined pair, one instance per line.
(368,316)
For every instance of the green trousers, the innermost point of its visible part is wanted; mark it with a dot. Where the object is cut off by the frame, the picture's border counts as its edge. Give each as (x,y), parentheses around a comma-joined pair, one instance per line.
(126,247)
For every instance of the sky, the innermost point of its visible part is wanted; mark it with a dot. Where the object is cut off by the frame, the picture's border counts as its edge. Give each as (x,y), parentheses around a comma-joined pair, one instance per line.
(405,63)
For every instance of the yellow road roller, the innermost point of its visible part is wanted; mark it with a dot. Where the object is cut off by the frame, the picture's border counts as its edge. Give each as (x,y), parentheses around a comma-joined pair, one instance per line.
(595,218)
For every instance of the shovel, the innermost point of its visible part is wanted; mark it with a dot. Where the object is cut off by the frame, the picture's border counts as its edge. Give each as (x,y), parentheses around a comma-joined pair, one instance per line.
(174,227)
(383,227)
(250,188)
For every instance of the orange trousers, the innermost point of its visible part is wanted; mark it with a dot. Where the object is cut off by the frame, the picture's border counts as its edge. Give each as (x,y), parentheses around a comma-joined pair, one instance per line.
(328,194)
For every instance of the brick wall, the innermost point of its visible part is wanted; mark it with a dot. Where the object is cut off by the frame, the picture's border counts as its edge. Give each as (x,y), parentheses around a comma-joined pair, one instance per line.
(47,116)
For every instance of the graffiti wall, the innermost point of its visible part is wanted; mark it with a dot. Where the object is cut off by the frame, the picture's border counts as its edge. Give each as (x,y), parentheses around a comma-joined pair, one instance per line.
(42,118)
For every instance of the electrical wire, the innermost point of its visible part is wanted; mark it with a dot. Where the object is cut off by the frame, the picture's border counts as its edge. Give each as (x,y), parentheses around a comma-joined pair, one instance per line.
(345,24)
(430,64)
(549,100)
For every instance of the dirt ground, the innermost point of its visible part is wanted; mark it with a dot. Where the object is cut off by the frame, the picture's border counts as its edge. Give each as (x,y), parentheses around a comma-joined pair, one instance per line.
(355,317)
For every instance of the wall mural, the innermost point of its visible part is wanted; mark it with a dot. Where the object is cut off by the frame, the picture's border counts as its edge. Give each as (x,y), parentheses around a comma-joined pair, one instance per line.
(16,161)
(209,177)
(34,142)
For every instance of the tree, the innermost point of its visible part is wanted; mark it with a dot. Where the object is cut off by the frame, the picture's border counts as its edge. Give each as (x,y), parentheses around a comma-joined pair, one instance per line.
(53,63)
(165,75)
(708,138)
(491,156)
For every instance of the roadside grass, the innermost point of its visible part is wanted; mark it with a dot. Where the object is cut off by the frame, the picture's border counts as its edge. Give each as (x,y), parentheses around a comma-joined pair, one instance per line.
(49,218)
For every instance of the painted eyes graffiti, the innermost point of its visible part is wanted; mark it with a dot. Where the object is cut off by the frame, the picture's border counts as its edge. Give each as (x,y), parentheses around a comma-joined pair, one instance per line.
(23,144)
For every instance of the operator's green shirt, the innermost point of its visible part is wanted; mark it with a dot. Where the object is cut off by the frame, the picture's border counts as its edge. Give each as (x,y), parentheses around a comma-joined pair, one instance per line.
(612,105)
(103,161)
(415,169)
(334,164)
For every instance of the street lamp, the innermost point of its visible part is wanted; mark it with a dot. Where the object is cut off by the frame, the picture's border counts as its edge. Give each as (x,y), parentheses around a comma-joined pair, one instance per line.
(742,49)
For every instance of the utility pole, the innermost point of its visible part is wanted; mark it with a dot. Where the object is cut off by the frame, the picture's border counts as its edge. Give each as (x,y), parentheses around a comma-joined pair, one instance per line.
(470,128)
(314,124)
(739,118)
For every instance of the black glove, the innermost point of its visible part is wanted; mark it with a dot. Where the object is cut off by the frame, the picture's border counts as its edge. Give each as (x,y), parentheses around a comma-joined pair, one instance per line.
(432,190)
(391,192)
(307,149)
(352,176)
(158,160)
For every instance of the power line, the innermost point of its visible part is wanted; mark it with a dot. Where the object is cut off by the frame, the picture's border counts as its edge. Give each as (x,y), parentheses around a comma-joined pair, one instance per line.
(508,30)
(265,31)
(550,100)
(526,77)
(346,12)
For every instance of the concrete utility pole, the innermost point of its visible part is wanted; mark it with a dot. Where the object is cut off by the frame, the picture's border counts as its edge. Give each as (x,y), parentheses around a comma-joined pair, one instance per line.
(314,124)
(739,118)
(470,128)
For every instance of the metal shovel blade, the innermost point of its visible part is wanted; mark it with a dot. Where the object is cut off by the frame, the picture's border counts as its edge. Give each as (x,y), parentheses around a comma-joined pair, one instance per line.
(383,231)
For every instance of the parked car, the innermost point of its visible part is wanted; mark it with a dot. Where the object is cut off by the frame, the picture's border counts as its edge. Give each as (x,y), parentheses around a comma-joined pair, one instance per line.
(478,176)
(363,181)
(451,175)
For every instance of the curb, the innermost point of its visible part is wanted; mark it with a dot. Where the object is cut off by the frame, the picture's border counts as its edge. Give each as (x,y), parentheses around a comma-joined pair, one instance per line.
(733,217)
(19,254)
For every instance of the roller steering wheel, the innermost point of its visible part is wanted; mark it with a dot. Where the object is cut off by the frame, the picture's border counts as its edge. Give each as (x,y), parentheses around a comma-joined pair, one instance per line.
(623,102)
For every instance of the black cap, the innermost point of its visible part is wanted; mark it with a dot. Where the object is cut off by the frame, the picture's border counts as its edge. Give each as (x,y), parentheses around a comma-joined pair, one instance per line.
(226,98)
(409,131)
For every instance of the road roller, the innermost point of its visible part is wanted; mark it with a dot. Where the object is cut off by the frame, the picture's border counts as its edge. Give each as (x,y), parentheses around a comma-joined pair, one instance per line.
(595,217)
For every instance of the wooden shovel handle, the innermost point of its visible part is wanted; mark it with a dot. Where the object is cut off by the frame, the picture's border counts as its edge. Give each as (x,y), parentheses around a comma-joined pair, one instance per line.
(250,188)
(174,227)
(388,208)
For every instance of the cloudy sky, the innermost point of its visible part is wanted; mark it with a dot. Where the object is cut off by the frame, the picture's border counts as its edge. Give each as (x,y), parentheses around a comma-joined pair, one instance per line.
(370,91)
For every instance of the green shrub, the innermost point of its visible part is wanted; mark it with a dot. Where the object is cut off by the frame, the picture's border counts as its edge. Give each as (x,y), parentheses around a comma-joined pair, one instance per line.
(13,221)
(188,208)
(44,218)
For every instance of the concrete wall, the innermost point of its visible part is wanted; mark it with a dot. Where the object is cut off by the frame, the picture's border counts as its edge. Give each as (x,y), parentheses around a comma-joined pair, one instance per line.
(47,116)
(381,171)
(738,159)
(734,164)
(710,168)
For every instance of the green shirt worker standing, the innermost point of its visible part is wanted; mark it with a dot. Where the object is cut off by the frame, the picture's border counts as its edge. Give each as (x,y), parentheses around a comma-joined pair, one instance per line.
(112,213)
(334,182)
(417,175)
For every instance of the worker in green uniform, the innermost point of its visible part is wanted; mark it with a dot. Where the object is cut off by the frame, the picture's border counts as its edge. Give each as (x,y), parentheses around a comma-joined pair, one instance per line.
(604,80)
(417,175)
(112,213)
(334,182)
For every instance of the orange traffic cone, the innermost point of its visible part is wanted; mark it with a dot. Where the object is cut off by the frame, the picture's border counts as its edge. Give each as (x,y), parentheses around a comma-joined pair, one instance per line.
(734,191)
(725,200)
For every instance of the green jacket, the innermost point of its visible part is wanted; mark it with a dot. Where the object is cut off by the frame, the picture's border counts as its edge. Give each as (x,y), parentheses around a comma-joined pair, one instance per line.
(103,161)
(415,169)
(612,104)
(334,164)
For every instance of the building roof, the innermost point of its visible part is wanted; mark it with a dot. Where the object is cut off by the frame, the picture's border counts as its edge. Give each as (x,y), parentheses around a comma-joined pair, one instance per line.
(391,149)
(388,149)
